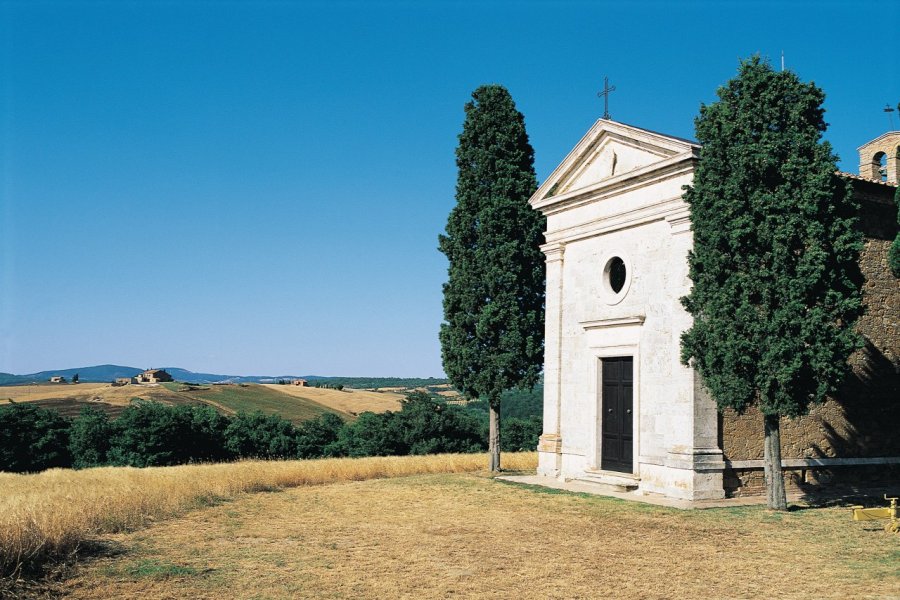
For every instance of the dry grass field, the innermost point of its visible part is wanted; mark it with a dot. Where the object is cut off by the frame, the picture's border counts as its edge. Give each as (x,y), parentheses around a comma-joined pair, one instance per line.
(228,399)
(69,399)
(467,536)
(48,515)
(91,392)
(46,391)
(347,400)
(249,397)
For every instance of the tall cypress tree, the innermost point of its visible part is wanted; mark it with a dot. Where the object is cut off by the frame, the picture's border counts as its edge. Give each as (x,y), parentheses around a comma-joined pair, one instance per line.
(775,261)
(493,335)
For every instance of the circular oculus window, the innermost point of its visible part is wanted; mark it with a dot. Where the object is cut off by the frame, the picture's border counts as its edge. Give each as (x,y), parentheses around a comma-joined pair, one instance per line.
(616,279)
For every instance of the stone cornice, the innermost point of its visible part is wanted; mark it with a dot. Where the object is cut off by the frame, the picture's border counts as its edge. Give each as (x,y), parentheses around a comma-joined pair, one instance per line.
(554,251)
(620,322)
(657,172)
(661,145)
(885,135)
(680,220)
(671,208)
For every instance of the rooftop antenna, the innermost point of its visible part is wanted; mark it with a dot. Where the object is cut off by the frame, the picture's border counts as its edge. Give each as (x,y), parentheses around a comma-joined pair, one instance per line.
(889,109)
(605,95)
(782,60)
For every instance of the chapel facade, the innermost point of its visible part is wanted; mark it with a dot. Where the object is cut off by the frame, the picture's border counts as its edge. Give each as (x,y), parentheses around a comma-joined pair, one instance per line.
(620,410)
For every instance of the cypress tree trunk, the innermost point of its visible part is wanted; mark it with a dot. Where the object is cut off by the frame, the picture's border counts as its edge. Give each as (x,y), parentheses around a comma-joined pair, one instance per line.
(775,496)
(494,437)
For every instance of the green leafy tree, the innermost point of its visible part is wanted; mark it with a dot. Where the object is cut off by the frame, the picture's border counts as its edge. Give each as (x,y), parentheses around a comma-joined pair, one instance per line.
(89,438)
(258,435)
(150,434)
(430,426)
(207,442)
(32,438)
(493,335)
(775,261)
(371,435)
(315,437)
(522,434)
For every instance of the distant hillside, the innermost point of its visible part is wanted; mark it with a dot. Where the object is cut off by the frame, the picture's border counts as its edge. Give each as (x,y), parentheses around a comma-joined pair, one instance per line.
(378,382)
(69,399)
(107,373)
(99,373)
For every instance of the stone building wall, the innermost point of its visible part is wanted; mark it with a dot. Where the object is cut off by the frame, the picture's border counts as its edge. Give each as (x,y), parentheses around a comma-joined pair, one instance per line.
(886,146)
(861,421)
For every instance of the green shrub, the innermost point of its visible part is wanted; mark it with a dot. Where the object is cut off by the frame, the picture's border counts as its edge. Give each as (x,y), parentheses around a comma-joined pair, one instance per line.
(89,438)
(315,438)
(257,435)
(521,435)
(424,425)
(150,434)
(33,438)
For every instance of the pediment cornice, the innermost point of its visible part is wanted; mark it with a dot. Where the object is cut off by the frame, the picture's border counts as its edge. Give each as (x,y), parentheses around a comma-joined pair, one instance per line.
(589,171)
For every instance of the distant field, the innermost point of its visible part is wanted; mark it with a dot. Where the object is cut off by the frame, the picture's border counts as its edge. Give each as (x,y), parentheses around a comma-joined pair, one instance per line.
(348,400)
(270,399)
(441,389)
(69,399)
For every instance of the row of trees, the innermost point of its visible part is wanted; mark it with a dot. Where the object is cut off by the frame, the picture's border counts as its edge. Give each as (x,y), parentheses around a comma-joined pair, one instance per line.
(154,434)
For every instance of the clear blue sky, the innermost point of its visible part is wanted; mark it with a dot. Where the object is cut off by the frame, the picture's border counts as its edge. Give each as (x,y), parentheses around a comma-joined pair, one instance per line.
(258,187)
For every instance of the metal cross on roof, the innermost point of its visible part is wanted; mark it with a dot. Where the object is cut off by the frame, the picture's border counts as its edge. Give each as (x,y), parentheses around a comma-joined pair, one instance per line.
(605,95)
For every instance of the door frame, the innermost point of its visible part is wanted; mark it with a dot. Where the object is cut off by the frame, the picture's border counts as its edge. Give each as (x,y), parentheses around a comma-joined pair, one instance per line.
(596,404)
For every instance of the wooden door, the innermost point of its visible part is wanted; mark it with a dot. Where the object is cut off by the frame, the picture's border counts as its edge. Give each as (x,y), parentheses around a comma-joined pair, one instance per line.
(617,392)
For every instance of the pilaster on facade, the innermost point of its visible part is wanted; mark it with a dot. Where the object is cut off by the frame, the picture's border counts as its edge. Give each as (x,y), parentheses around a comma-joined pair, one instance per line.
(554,252)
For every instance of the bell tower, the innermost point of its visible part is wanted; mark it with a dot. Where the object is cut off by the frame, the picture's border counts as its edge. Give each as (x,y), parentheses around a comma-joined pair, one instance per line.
(880,159)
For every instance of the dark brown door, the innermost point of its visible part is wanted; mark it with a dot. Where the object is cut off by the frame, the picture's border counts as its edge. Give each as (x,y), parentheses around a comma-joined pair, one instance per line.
(617,389)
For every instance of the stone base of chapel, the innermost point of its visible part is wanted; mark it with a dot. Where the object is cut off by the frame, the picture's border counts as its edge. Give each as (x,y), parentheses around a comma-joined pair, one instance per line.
(693,475)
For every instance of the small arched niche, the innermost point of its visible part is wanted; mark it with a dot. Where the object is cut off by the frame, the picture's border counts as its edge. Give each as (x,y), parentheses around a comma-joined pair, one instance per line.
(879,166)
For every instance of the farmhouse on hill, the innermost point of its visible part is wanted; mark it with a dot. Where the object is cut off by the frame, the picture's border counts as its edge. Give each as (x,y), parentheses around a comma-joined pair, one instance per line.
(57,379)
(620,410)
(153,376)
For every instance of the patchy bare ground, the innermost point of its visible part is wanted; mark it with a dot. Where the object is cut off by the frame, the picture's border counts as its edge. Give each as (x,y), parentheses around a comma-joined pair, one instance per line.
(461,536)
(69,399)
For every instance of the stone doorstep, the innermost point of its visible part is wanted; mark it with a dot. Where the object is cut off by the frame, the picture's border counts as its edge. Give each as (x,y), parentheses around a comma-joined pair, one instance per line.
(610,481)
(590,486)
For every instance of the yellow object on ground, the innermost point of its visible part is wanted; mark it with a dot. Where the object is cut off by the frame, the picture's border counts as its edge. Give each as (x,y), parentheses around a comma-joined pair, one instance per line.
(874,514)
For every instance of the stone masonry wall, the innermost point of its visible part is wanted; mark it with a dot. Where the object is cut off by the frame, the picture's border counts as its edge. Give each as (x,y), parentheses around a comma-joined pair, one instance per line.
(861,421)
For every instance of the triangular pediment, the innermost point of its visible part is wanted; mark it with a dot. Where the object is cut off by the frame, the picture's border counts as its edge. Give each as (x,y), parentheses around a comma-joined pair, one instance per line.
(610,151)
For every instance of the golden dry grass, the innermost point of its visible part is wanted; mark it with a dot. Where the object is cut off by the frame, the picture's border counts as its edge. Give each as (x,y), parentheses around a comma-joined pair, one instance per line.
(82,391)
(466,536)
(347,400)
(48,514)
(69,399)
(228,399)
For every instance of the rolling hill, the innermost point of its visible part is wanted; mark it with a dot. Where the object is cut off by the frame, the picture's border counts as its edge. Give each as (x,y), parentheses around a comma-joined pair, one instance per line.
(228,398)
(107,373)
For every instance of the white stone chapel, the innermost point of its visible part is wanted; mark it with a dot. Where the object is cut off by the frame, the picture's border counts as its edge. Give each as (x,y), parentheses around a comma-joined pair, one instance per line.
(620,410)
(619,407)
